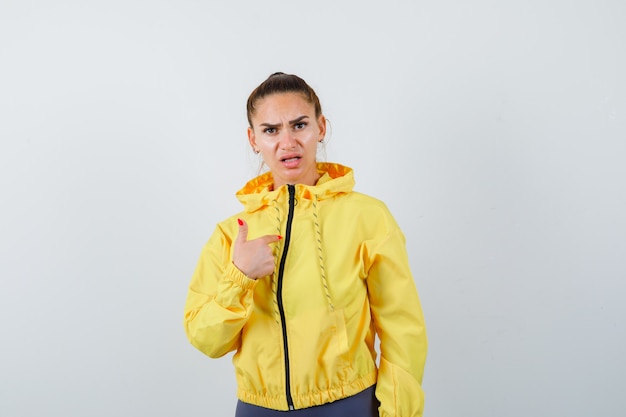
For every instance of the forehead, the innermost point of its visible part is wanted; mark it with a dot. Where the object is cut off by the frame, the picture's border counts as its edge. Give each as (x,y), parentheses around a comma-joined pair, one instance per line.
(283,105)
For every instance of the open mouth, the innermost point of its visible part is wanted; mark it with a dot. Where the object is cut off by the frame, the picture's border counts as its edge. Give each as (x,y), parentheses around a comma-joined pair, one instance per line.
(295,158)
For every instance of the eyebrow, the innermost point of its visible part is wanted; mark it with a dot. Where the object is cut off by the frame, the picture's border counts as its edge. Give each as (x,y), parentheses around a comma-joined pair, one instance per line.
(291,122)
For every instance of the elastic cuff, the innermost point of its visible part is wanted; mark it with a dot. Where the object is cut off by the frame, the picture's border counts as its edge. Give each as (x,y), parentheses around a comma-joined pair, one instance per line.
(234,274)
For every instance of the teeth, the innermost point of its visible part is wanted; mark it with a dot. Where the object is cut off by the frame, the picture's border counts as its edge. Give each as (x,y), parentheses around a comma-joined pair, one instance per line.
(290,159)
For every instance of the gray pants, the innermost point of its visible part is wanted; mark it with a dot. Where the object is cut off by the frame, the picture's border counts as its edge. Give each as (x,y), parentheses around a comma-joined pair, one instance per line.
(363,404)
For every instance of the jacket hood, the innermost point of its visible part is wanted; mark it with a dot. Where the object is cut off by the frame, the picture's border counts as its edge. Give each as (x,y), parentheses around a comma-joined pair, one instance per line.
(334,179)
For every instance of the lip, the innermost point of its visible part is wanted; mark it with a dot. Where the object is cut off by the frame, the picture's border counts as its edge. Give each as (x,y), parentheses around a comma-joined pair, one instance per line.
(291,160)
(289,156)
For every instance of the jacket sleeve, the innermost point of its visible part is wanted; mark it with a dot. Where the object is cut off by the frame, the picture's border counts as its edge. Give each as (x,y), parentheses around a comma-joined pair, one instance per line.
(399,322)
(219,301)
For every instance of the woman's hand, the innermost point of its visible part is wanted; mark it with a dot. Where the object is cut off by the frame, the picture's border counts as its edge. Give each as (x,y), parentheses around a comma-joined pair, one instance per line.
(253,257)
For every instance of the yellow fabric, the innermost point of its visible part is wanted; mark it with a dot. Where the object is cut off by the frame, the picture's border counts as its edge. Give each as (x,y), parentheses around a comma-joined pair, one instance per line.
(330,342)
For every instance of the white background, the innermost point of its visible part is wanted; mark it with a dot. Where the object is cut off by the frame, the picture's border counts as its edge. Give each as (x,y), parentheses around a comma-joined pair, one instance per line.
(495,132)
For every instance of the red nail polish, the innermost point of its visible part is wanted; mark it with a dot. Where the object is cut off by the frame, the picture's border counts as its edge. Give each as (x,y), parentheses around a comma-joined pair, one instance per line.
(240,222)
(279,237)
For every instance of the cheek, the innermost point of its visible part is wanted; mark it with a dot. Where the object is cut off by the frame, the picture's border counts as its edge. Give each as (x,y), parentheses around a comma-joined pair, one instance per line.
(267,149)
(265,145)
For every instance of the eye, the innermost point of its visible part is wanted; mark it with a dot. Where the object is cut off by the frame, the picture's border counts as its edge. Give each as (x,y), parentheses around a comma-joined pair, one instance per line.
(299,126)
(269,130)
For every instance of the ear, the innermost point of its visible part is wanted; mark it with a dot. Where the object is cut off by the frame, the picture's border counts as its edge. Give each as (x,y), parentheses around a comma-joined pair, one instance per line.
(251,138)
(321,122)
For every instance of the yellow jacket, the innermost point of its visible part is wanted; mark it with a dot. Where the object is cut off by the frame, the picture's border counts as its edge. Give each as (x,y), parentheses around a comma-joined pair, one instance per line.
(305,335)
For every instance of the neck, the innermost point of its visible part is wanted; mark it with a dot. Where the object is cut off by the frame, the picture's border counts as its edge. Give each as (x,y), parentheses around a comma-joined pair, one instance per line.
(308,180)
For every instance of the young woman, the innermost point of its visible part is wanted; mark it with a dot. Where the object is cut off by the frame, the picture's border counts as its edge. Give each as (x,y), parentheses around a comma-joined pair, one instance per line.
(299,283)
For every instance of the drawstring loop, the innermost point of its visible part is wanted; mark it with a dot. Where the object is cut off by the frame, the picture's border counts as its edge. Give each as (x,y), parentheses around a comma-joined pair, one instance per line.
(318,239)
(274,278)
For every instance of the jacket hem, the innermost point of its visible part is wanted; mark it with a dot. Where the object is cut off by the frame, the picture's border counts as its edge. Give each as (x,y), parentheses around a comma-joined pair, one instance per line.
(311,399)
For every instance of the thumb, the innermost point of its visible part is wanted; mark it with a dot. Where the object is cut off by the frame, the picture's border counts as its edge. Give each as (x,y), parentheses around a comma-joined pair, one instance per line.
(242,236)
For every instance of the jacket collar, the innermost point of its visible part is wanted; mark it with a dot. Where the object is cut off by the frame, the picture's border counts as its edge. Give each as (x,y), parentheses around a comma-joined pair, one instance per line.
(334,179)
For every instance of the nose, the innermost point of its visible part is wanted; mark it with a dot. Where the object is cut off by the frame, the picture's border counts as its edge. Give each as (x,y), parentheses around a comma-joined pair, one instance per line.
(287,140)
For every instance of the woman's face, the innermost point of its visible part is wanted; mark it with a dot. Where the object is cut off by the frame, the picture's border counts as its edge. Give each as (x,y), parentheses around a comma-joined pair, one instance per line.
(286,132)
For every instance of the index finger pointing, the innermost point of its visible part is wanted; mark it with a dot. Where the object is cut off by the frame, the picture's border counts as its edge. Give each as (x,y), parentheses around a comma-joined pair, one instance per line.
(270,238)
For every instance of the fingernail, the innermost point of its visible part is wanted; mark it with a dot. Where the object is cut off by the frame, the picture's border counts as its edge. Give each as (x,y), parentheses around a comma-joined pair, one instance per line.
(240,222)
(279,237)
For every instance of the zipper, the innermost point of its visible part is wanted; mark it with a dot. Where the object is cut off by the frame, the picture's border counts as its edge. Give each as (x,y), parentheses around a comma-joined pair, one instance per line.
(281,270)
